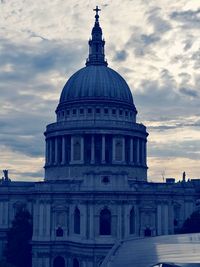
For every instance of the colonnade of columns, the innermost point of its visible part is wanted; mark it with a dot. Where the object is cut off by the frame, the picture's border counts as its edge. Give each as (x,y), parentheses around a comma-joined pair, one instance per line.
(95,149)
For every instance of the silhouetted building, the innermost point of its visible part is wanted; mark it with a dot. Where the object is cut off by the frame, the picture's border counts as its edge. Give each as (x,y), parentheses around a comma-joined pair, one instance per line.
(95,189)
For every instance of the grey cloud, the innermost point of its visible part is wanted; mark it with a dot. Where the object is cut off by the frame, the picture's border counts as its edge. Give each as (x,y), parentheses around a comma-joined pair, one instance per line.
(163,96)
(28,145)
(141,43)
(189,18)
(185,149)
(196,59)
(188,43)
(29,61)
(189,92)
(120,55)
(186,77)
(155,18)
(25,176)
(176,125)
(24,112)
(149,39)
(161,128)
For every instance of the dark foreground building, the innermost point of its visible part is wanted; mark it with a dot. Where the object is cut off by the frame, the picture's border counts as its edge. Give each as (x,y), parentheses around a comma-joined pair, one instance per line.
(95,189)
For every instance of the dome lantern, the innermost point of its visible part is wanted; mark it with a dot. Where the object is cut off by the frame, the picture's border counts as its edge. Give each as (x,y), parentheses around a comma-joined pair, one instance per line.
(96,44)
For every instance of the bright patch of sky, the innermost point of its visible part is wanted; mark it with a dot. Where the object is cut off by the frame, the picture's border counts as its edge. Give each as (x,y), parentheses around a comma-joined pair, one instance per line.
(155,45)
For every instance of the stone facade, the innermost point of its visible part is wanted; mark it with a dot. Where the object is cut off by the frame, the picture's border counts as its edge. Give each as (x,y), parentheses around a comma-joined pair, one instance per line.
(95,190)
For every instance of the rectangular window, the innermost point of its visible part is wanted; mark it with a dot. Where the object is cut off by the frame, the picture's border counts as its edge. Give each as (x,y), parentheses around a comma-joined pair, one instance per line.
(74,111)
(105,110)
(114,111)
(97,110)
(89,110)
(82,111)
(120,112)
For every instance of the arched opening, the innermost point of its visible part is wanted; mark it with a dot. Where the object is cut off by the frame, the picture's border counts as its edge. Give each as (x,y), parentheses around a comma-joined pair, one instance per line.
(59,262)
(132,222)
(59,232)
(77,221)
(76,263)
(105,222)
(147,232)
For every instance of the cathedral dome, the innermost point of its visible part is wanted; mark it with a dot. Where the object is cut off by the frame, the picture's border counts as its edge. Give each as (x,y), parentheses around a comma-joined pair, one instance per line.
(96,82)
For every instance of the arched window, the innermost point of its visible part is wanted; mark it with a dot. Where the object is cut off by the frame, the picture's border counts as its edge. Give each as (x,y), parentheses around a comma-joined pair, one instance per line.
(77,149)
(76,263)
(118,150)
(132,222)
(77,220)
(59,262)
(59,232)
(105,222)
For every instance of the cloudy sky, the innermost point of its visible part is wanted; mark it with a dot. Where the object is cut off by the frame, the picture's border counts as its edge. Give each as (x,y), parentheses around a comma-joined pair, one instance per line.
(153,44)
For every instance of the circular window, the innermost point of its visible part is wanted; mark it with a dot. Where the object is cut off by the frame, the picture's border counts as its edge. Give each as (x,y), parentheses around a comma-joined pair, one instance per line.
(105,180)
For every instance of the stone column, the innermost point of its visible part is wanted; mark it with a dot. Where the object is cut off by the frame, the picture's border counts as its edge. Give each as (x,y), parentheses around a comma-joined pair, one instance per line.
(142,151)
(47,262)
(41,219)
(56,151)
(138,150)
(48,219)
(92,218)
(103,160)
(119,223)
(82,149)
(5,214)
(123,149)
(50,151)
(166,219)
(72,149)
(63,151)
(131,150)
(159,220)
(1,212)
(113,149)
(92,150)
(145,152)
(47,152)
(171,218)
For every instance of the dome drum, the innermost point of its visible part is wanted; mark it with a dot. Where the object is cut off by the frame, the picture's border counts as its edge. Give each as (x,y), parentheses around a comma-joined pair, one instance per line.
(97,111)
(100,150)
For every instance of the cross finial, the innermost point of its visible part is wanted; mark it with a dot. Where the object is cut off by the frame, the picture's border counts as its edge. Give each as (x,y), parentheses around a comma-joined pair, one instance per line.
(97,9)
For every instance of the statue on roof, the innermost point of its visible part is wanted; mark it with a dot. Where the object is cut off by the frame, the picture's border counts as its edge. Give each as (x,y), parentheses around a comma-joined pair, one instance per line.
(5,177)
(5,172)
(184,176)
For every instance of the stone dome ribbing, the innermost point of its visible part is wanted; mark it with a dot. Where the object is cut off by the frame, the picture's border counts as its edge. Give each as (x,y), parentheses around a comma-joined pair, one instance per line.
(96,82)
